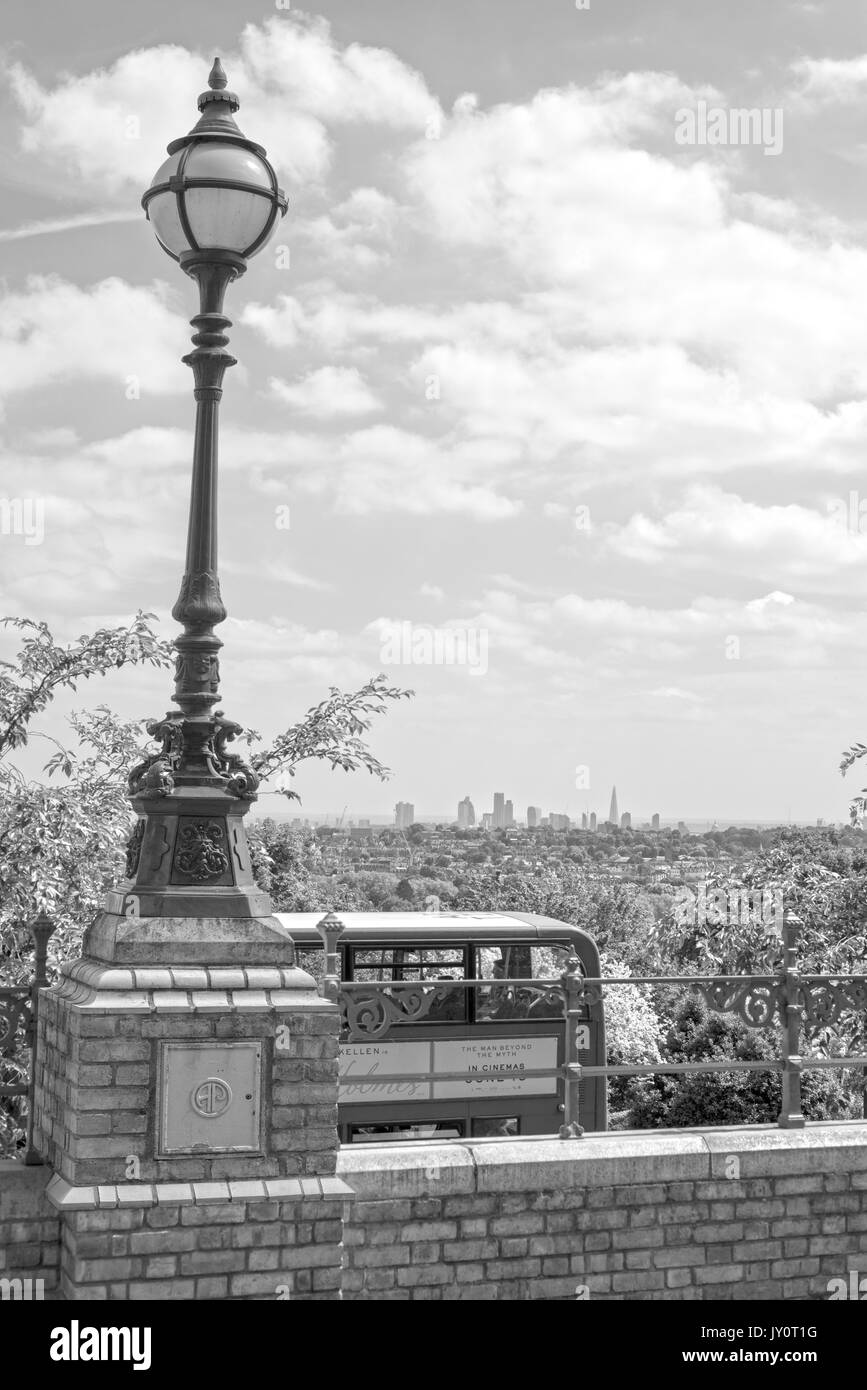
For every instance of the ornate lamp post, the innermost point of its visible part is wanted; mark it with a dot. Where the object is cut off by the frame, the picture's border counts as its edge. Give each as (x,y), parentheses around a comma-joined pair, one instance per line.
(213,203)
(233,1087)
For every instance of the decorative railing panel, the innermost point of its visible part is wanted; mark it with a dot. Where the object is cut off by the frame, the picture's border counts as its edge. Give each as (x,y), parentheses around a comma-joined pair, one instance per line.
(19,1009)
(786,1000)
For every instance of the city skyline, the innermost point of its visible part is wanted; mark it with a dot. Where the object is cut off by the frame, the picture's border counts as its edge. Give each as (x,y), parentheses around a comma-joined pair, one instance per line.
(383,821)
(467,816)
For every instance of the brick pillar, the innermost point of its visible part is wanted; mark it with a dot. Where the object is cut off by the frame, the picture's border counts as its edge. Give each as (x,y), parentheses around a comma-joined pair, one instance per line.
(189,1112)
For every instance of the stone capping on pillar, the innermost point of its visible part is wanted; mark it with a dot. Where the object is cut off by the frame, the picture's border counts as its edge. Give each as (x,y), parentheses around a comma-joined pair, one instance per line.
(186,989)
(65,1197)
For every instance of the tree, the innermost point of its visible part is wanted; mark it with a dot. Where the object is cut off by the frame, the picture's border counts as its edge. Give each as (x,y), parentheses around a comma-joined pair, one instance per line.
(404,891)
(858,804)
(632,1029)
(727,1098)
(807,873)
(62,841)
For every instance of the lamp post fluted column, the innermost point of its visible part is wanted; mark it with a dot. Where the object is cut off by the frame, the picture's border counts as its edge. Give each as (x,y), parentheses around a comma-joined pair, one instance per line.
(199,605)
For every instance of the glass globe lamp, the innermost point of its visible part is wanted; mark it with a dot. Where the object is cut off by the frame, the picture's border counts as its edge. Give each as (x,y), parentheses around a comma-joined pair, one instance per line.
(217,191)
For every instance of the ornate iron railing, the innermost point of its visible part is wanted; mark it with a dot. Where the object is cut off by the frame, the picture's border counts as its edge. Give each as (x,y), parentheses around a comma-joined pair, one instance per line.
(788,999)
(19,1009)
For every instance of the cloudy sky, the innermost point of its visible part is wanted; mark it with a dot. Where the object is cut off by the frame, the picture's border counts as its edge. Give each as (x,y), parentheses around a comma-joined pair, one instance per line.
(550,351)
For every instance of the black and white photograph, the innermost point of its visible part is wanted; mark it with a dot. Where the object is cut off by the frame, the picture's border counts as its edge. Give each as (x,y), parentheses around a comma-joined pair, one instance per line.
(433,641)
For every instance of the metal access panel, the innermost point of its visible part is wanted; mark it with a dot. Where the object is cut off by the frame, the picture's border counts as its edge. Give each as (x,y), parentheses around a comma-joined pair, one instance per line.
(210,1098)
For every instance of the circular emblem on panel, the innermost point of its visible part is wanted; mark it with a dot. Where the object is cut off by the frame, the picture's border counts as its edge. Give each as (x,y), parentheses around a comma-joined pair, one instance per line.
(212,1097)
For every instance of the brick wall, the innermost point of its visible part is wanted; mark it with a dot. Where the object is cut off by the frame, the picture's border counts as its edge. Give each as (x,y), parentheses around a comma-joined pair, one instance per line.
(206,1248)
(29,1225)
(754,1213)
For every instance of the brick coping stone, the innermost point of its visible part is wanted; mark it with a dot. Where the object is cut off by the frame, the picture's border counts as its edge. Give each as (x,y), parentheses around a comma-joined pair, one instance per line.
(636,1156)
(65,1197)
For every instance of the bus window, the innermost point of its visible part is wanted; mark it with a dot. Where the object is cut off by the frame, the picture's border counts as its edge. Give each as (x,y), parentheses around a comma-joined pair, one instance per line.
(522,962)
(501,1001)
(399,1132)
(491,1126)
(409,964)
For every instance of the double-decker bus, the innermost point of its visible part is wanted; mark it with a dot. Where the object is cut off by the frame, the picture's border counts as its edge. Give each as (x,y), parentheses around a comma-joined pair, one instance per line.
(462,1051)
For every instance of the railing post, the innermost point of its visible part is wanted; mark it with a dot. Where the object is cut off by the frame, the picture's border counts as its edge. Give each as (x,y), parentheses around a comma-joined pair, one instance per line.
(42,929)
(330,928)
(791,1018)
(573,990)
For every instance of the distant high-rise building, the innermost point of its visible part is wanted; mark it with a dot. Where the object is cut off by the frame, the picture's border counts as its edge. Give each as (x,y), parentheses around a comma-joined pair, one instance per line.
(613,818)
(509,815)
(404,815)
(592,820)
(583,820)
(626,821)
(499,817)
(654,824)
(681,825)
(466,814)
(534,817)
(559,822)
(487,821)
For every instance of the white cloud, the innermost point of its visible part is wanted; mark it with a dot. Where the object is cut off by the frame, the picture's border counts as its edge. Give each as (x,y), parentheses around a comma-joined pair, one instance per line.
(674,692)
(292,79)
(334,318)
(277,571)
(725,533)
(49,226)
(296,55)
(624,246)
(55,331)
(386,470)
(54,437)
(355,236)
(831,80)
(327,392)
(611,641)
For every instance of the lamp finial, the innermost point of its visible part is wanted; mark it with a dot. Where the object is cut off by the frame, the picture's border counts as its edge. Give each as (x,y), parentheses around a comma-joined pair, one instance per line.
(217,78)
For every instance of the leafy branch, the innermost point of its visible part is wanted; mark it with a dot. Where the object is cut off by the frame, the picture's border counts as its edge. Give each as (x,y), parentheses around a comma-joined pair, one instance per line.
(28,684)
(858,805)
(332,731)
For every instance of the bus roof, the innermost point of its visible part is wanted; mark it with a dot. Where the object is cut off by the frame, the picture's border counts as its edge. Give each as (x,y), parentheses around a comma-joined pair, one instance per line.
(430,926)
